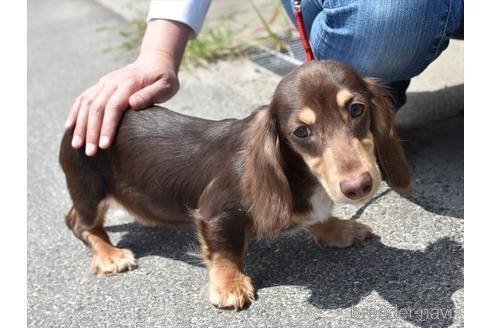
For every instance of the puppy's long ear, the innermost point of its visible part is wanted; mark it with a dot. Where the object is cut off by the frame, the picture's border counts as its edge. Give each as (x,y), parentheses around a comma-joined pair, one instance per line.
(264,183)
(388,147)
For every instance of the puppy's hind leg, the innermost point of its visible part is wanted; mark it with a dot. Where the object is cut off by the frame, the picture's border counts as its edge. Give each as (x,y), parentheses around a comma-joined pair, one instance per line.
(106,259)
(89,194)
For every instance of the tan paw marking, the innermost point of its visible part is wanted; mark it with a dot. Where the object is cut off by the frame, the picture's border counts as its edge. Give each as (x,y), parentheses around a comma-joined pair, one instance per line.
(230,290)
(112,261)
(340,233)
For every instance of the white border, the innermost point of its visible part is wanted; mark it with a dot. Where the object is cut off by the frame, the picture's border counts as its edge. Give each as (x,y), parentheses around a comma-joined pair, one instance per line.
(13,179)
(478,168)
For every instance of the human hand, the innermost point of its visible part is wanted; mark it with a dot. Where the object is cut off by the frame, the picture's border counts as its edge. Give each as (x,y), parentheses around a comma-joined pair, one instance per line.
(96,113)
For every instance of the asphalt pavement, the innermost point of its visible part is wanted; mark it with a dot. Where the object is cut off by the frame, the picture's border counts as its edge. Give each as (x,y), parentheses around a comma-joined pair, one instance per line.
(409,275)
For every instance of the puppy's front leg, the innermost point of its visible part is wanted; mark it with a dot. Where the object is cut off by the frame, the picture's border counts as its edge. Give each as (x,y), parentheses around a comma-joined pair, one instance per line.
(223,245)
(340,233)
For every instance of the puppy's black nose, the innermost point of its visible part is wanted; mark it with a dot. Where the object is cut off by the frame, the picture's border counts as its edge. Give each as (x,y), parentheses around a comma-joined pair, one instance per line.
(358,188)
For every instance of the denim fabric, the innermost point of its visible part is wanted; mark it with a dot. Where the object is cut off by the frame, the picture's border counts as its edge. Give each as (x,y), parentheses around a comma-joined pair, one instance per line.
(393,40)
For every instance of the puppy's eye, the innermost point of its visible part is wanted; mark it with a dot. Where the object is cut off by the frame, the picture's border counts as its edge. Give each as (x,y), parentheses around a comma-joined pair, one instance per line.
(356,110)
(301,131)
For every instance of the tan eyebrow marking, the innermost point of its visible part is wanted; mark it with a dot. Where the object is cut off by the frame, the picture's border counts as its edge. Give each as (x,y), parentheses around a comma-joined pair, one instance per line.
(343,96)
(307,116)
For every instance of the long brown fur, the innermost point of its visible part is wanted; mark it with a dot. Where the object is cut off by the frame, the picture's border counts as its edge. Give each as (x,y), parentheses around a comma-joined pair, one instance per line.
(389,149)
(264,182)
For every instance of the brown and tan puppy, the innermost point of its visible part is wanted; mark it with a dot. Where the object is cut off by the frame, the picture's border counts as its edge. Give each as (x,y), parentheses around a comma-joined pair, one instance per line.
(279,169)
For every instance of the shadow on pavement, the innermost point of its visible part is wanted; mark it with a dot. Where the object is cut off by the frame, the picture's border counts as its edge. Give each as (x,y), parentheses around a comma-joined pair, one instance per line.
(412,281)
(436,155)
(415,282)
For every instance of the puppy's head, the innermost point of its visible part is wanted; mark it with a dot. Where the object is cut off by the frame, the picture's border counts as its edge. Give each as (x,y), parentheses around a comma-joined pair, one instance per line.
(338,123)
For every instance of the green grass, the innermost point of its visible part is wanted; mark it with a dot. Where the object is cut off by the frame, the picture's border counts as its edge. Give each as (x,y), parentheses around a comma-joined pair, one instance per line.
(222,38)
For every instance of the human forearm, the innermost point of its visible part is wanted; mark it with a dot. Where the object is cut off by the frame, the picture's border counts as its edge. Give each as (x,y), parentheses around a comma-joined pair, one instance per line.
(165,41)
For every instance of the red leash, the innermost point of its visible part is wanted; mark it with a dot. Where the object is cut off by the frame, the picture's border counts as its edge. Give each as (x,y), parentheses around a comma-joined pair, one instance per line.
(302,31)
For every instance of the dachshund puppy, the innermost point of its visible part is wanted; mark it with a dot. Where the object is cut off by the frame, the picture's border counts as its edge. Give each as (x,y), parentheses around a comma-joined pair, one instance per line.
(279,169)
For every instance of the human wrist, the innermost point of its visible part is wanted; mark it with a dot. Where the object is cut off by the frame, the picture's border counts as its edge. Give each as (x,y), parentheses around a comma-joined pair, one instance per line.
(158,58)
(164,42)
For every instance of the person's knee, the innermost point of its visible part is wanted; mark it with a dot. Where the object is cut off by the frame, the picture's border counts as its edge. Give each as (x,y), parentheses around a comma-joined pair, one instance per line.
(391,40)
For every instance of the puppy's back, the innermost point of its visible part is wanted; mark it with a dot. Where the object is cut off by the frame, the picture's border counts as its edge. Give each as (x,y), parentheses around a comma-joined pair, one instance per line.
(157,152)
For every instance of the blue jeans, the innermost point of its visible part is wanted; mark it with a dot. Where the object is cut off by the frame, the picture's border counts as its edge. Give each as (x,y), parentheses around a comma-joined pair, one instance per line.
(393,40)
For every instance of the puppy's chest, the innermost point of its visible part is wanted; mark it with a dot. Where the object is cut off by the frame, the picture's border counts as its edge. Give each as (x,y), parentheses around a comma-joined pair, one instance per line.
(320,208)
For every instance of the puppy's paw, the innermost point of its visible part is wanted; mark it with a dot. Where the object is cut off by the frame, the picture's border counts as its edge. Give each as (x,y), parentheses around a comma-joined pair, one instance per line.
(112,260)
(230,290)
(340,233)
